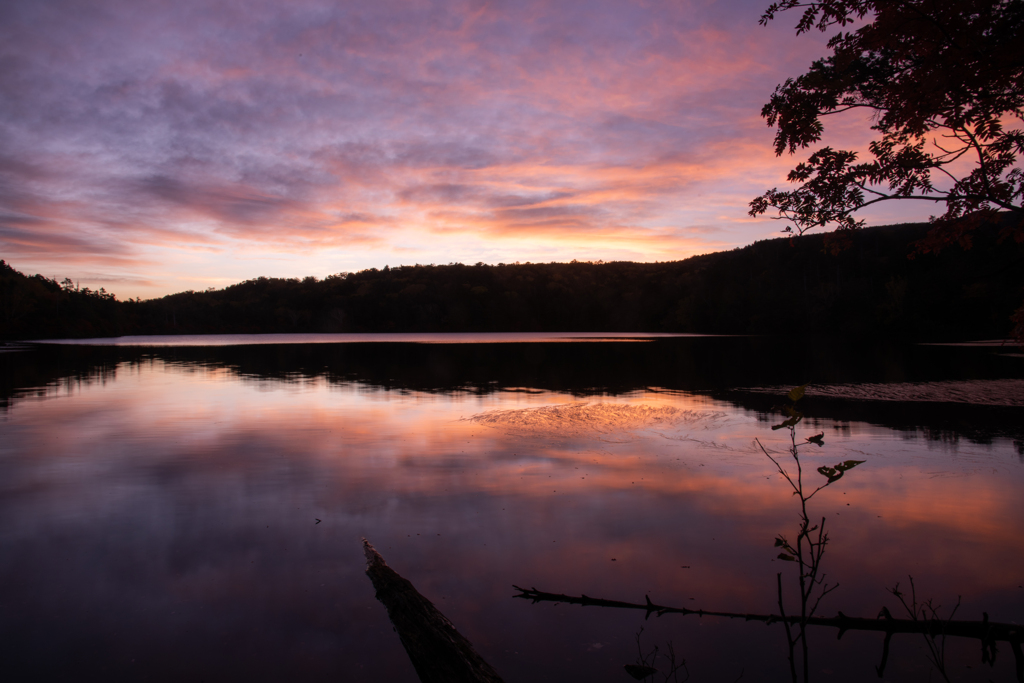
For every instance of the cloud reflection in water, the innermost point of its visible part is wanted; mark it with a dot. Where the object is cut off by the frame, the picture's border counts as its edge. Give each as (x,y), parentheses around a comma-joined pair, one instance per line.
(161,522)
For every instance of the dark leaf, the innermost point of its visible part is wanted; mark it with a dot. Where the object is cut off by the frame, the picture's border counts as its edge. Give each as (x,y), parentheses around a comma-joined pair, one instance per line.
(640,672)
(832,473)
(788,423)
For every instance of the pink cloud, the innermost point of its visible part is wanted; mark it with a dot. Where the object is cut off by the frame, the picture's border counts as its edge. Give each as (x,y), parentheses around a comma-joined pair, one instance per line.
(284,131)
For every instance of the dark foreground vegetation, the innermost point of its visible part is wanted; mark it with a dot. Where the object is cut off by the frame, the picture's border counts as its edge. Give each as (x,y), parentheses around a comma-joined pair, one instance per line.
(774,286)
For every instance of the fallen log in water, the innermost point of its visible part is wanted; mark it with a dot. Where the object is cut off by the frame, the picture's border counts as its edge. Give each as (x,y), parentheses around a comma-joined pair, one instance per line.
(439,653)
(982,630)
(988,632)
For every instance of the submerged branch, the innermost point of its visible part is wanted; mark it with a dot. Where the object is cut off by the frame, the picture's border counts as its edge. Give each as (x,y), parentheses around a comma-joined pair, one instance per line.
(984,630)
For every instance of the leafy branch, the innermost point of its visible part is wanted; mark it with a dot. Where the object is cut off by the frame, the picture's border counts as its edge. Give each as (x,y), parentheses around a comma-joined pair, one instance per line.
(809,548)
(927,70)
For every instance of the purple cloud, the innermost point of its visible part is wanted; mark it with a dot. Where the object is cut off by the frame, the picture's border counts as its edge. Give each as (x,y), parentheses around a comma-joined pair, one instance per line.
(133,131)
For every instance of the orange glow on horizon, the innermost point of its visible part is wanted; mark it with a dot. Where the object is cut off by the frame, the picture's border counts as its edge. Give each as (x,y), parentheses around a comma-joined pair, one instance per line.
(499,134)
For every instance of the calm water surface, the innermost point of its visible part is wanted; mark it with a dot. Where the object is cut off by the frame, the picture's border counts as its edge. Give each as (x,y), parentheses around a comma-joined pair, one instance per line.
(159,507)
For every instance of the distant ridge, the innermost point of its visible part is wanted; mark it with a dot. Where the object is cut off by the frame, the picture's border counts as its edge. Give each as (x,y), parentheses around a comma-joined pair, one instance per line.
(777,286)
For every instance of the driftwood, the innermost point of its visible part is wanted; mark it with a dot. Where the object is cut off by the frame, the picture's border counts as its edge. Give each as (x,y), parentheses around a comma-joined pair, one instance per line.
(988,632)
(439,653)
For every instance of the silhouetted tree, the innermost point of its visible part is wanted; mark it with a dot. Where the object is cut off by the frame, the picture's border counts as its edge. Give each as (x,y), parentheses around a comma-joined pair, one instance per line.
(941,79)
(872,289)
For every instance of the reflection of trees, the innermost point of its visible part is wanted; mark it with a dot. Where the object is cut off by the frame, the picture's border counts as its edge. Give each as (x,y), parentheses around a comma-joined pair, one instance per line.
(706,366)
(806,553)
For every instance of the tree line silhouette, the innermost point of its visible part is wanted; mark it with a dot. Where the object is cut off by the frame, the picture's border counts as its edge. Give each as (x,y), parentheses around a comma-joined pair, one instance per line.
(771,286)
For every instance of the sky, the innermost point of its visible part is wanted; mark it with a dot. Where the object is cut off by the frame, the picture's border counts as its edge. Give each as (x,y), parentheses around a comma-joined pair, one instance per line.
(157,146)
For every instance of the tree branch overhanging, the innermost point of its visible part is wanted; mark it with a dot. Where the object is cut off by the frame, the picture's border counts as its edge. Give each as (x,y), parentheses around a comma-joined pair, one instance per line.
(922,66)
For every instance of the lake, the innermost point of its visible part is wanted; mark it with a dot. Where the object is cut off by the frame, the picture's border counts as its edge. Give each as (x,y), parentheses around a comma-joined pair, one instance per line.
(194,511)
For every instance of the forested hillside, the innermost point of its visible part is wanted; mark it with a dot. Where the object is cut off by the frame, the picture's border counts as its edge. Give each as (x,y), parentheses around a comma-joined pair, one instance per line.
(38,307)
(775,286)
